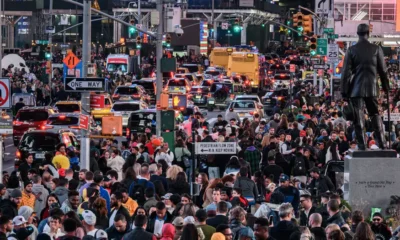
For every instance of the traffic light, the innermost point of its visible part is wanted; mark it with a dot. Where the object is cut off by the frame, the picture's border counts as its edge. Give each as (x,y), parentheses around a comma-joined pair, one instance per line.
(307,23)
(145,38)
(47,54)
(236,27)
(132,30)
(298,21)
(48,67)
(138,42)
(313,45)
(168,40)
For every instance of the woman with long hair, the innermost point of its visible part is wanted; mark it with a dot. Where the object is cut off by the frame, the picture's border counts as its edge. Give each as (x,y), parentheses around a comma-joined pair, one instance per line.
(363,232)
(207,198)
(80,230)
(103,162)
(130,177)
(51,199)
(202,180)
(138,211)
(190,232)
(181,151)
(283,124)
(189,210)
(99,208)
(136,168)
(172,173)
(233,166)
(180,185)
(159,189)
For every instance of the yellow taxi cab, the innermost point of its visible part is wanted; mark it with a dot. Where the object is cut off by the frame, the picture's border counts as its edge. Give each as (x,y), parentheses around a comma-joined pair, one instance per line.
(100,105)
(69,106)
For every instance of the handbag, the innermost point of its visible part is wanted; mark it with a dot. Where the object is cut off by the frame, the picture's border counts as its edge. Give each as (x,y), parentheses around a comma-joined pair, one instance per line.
(185,159)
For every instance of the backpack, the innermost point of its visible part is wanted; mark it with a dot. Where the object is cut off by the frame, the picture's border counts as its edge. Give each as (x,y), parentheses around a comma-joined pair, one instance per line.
(137,190)
(299,168)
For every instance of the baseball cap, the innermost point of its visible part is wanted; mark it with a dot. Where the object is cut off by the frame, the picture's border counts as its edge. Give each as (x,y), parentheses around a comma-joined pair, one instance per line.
(246,232)
(178,222)
(101,234)
(166,196)
(284,178)
(16,193)
(189,220)
(89,217)
(23,233)
(106,179)
(314,169)
(19,220)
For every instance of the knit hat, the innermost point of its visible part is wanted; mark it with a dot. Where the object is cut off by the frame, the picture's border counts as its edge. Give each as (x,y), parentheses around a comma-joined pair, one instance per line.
(89,217)
(377,214)
(16,193)
(156,142)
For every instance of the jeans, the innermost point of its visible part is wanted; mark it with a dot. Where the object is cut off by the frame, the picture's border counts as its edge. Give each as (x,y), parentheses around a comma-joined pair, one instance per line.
(213,172)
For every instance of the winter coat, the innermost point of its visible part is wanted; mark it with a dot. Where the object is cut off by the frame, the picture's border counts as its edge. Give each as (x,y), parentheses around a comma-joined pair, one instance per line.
(116,164)
(249,188)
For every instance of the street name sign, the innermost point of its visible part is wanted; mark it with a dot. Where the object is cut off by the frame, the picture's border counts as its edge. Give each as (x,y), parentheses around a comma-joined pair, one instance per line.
(84,84)
(216,148)
(329,30)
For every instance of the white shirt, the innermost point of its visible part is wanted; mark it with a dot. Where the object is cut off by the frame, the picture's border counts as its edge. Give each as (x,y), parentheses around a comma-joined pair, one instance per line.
(111,220)
(158,225)
(93,232)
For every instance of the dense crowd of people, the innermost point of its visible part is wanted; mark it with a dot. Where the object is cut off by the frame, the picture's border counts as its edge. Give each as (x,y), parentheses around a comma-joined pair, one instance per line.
(278,185)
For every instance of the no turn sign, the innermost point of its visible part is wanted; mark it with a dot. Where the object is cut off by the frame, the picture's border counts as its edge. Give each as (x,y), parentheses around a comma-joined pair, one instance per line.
(5,93)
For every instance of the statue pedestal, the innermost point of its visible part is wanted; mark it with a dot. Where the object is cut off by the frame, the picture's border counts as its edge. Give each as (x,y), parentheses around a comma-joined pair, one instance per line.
(371,177)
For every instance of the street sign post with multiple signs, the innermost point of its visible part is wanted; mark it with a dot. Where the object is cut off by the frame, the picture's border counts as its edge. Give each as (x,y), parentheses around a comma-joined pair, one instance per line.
(322,48)
(71,60)
(322,6)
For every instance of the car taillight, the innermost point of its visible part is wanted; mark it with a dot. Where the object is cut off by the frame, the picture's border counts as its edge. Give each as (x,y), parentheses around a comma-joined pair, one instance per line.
(209,95)
(135,95)
(251,112)
(232,96)
(17,123)
(18,154)
(269,72)
(247,82)
(115,96)
(128,132)
(73,127)
(188,89)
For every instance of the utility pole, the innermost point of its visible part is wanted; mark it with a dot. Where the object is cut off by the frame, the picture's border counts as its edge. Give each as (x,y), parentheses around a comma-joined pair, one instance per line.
(51,41)
(159,83)
(85,96)
(140,24)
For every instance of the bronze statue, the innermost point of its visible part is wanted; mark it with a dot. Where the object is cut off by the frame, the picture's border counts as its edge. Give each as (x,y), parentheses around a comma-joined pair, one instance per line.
(362,63)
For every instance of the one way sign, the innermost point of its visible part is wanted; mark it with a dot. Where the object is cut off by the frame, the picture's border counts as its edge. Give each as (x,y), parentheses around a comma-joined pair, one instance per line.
(321,66)
(84,84)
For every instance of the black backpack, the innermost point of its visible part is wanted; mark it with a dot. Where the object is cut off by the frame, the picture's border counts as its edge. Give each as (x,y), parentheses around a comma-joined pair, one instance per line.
(136,191)
(299,168)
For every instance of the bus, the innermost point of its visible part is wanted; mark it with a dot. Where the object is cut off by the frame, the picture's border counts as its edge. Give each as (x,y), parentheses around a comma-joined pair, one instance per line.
(245,63)
(220,56)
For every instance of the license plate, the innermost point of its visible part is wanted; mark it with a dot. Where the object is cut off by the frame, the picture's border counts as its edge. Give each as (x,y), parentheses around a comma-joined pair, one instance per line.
(211,102)
(241,114)
(30,129)
(198,96)
(39,155)
(177,89)
(268,100)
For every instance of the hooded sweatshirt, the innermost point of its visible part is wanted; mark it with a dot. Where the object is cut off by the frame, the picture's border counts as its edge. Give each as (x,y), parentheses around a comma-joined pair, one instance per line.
(168,232)
(61,193)
(41,194)
(26,212)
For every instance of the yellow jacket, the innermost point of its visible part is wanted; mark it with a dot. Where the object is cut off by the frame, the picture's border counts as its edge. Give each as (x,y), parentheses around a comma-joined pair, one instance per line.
(28,199)
(131,206)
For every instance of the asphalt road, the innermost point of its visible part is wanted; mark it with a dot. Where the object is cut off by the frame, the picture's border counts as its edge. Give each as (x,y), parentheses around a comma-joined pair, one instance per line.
(9,158)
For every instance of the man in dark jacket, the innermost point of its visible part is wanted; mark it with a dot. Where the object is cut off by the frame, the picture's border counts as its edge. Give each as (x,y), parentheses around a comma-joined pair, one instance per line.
(249,188)
(285,227)
(273,169)
(9,207)
(335,215)
(381,230)
(319,184)
(315,226)
(307,209)
(362,63)
(220,218)
(162,216)
(299,165)
(139,232)
(25,167)
(19,105)
(119,228)
(117,208)
(292,194)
